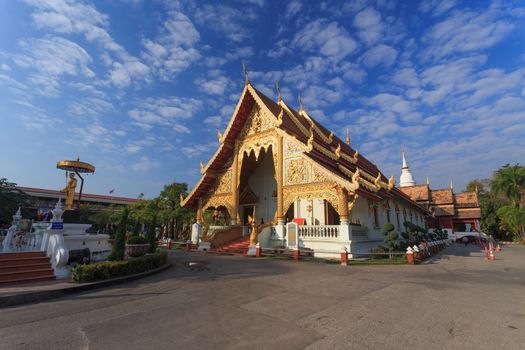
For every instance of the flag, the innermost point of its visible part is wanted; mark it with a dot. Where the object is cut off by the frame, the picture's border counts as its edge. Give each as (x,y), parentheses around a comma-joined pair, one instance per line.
(113,190)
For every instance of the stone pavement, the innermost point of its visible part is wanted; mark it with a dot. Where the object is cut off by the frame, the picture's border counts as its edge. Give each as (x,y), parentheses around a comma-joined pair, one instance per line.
(458,301)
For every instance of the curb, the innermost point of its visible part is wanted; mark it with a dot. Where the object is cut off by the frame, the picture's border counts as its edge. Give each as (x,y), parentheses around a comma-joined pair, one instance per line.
(34,297)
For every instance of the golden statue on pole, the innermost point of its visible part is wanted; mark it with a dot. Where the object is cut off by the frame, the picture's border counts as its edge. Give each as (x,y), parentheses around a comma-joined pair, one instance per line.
(73,167)
(70,191)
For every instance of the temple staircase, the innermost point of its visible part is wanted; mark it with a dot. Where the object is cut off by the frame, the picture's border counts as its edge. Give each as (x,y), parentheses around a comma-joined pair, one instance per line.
(235,247)
(24,267)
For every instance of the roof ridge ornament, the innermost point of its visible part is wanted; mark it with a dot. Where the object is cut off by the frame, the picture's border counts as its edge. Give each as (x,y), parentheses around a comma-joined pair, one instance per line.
(301,109)
(451,186)
(202,166)
(391,182)
(279,97)
(338,150)
(220,136)
(245,71)
(347,136)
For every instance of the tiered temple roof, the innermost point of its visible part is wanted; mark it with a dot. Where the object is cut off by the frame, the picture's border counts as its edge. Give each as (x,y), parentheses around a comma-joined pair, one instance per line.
(444,202)
(323,147)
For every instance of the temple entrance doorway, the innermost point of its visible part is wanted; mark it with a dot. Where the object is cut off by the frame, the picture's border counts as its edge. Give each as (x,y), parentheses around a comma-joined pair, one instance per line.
(257,181)
(247,213)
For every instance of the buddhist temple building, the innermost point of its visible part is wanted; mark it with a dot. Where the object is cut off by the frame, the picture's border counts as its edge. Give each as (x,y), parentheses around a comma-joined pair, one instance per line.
(457,213)
(276,166)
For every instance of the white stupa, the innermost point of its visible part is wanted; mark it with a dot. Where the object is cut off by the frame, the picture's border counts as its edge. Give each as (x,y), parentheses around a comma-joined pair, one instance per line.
(406,179)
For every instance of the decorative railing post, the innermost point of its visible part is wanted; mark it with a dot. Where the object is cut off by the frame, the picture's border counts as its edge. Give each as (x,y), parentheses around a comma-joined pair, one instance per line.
(8,240)
(56,246)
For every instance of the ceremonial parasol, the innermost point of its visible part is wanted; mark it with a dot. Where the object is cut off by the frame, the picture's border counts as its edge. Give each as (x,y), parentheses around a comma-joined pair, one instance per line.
(77,167)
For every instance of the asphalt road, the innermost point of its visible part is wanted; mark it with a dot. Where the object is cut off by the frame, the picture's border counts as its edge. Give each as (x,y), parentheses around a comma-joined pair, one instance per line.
(458,301)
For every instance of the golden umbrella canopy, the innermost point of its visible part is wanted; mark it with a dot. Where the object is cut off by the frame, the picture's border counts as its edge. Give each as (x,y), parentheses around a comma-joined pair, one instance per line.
(76,166)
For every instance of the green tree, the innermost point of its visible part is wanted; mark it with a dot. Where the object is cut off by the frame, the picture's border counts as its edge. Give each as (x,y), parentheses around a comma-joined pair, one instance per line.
(10,199)
(475,186)
(171,212)
(119,244)
(151,234)
(509,182)
(391,237)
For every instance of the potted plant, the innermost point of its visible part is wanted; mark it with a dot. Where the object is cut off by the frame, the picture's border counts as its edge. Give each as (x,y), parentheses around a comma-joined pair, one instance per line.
(137,246)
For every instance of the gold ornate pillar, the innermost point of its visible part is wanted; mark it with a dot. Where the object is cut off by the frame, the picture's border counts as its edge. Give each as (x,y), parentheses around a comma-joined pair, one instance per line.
(279,167)
(199,211)
(342,194)
(235,186)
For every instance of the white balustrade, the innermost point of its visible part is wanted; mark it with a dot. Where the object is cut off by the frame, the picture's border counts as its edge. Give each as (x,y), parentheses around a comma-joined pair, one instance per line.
(319,231)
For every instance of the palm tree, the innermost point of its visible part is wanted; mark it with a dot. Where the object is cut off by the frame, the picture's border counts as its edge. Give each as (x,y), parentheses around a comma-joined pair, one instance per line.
(509,182)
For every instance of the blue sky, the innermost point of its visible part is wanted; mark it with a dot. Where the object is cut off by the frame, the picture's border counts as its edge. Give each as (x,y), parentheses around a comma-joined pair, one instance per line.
(140,88)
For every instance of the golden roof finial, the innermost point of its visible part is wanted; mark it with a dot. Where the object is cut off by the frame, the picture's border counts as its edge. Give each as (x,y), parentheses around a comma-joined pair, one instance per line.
(300,104)
(347,136)
(202,167)
(279,98)
(391,182)
(245,72)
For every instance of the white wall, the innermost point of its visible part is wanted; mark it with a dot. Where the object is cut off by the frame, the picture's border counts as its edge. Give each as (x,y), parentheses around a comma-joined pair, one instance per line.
(314,217)
(263,185)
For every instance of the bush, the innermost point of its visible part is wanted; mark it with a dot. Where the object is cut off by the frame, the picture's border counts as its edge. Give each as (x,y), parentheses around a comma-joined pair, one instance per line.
(137,240)
(119,244)
(112,269)
(151,235)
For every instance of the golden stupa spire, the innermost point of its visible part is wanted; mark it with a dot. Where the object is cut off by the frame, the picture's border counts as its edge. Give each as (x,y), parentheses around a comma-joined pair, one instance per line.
(428,181)
(451,186)
(347,136)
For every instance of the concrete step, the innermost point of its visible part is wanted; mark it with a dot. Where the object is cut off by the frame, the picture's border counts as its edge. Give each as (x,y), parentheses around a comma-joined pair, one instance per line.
(18,280)
(25,275)
(24,267)
(23,261)
(20,255)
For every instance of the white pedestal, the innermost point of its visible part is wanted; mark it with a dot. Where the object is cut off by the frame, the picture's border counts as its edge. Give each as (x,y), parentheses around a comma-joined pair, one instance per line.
(252,249)
(195,233)
(204,247)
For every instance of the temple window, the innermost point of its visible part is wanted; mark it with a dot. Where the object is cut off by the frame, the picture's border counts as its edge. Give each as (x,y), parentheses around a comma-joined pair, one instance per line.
(388,215)
(397,218)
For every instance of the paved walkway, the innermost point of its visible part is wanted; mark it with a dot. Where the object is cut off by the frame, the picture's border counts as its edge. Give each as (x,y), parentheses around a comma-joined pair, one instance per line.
(459,301)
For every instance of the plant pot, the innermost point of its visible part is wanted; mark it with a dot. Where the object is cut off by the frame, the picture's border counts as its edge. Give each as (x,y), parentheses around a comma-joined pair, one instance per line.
(410,259)
(136,250)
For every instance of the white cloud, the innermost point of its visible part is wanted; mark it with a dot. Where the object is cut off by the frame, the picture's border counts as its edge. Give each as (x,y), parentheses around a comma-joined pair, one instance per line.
(216,86)
(293,8)
(226,20)
(215,121)
(369,24)
(70,17)
(174,50)
(133,148)
(466,31)
(164,112)
(145,164)
(327,38)
(380,55)
(198,150)
(436,7)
